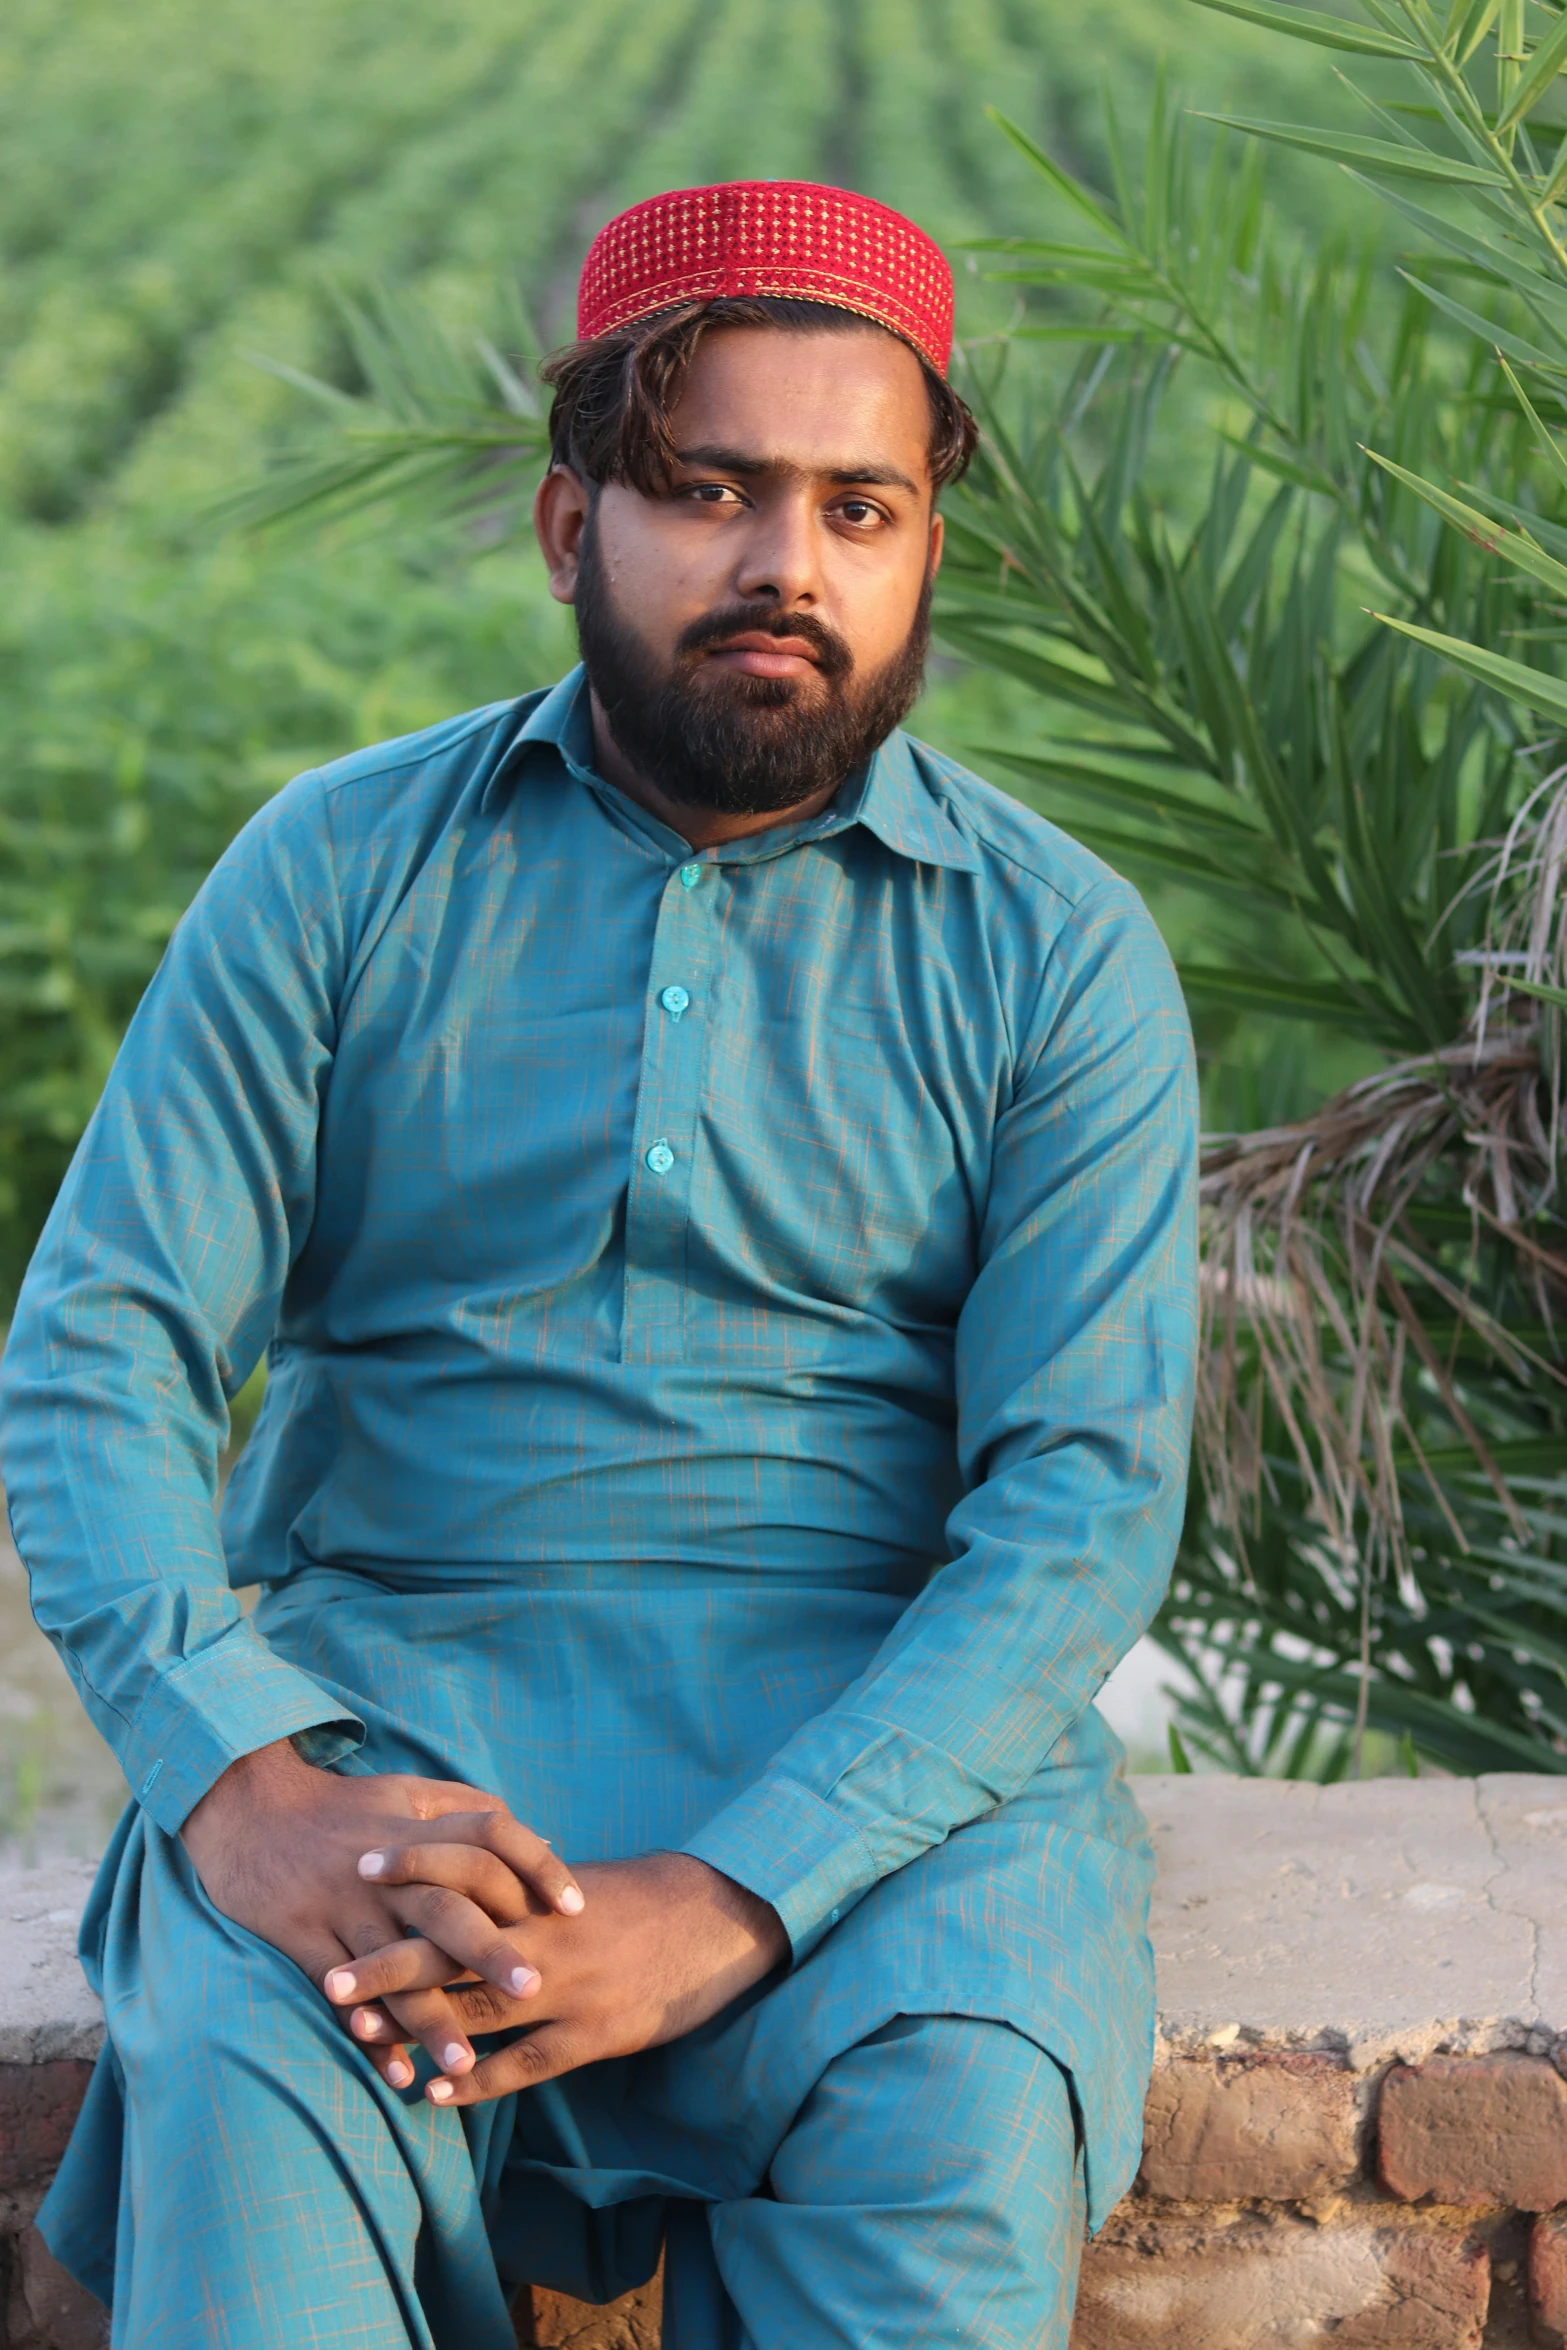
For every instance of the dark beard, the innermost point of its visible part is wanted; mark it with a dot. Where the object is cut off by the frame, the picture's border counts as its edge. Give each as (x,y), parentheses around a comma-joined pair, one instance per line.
(736,745)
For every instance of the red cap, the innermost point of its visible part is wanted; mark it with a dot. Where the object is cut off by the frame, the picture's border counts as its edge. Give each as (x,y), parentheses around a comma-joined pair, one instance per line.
(770,237)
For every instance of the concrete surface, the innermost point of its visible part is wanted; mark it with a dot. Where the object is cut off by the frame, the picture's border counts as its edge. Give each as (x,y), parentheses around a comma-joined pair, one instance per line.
(1386,1919)
(46,2009)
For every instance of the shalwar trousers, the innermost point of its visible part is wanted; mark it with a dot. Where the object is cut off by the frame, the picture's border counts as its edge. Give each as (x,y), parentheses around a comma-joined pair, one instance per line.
(276,2195)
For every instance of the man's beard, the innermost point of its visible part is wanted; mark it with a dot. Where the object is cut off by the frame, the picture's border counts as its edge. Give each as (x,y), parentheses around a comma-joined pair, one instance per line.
(721,739)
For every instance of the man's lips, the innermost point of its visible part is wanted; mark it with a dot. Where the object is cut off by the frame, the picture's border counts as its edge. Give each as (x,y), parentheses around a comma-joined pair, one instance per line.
(756,654)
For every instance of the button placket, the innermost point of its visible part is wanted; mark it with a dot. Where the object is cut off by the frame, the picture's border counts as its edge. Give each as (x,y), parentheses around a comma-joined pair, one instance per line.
(668,1101)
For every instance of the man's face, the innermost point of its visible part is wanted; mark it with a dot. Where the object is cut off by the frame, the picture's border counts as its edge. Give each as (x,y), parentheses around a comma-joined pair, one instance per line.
(757,629)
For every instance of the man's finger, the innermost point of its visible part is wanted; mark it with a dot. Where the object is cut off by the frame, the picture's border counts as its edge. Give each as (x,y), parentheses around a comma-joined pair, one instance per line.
(470,1869)
(433,1799)
(517,1858)
(541,2055)
(320,1956)
(376,2034)
(479,2007)
(426,2016)
(530,1858)
(377,1967)
(458,1926)
(413,1964)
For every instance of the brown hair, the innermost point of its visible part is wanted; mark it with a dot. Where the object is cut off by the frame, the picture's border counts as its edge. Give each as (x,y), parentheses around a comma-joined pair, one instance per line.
(609,420)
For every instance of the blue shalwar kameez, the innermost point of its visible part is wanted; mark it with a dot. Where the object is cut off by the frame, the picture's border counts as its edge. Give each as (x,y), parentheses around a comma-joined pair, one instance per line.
(730,1334)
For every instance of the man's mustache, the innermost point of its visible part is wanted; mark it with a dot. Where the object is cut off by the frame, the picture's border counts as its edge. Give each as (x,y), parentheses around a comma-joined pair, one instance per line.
(833,656)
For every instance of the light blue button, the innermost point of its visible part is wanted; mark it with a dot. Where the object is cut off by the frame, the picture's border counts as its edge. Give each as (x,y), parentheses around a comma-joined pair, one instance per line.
(660,1158)
(674,1000)
(690,875)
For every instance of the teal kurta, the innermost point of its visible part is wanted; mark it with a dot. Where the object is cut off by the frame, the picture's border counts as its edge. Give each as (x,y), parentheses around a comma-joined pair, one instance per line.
(730,1332)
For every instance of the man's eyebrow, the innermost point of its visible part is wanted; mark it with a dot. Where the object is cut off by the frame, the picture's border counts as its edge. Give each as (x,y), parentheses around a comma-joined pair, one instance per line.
(750,467)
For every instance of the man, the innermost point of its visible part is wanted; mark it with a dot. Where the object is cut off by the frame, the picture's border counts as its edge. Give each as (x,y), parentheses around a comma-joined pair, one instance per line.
(714,1182)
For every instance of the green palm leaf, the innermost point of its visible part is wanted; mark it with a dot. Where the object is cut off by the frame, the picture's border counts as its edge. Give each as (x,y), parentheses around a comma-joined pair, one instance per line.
(1307,24)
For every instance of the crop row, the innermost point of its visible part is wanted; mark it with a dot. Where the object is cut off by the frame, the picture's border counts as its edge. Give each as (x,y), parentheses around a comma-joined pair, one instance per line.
(182,186)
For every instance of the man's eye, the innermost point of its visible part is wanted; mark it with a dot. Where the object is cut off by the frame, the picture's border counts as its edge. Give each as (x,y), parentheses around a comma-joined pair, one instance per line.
(859,510)
(711,493)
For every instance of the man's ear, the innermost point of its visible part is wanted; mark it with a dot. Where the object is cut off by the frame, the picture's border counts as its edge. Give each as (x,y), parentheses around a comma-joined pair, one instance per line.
(561,506)
(938,537)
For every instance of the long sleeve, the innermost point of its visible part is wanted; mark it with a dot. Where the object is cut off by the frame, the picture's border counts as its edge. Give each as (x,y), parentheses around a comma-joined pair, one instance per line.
(151,1295)
(1075,1359)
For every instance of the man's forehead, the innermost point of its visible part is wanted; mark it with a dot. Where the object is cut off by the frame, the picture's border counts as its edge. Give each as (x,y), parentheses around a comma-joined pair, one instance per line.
(852,406)
(766,461)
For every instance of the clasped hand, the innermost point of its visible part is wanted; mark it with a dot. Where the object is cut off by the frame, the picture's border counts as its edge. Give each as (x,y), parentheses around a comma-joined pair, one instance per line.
(426,1913)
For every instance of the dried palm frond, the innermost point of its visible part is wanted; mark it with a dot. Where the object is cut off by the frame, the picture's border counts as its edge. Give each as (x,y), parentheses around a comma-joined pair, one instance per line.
(1332,1246)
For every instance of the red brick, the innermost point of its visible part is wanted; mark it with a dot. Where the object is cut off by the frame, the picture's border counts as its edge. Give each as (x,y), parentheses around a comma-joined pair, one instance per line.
(56,2313)
(1277,2126)
(1475,2129)
(1156,2282)
(38,2104)
(634,2322)
(1548,2280)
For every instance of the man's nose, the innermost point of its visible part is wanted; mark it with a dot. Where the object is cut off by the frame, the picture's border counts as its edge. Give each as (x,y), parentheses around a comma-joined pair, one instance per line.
(780,559)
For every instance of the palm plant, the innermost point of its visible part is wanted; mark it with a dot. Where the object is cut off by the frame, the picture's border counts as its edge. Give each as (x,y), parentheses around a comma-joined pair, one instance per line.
(440,430)
(1366,803)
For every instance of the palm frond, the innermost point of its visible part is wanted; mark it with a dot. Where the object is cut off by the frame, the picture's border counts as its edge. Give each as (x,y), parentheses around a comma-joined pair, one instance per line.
(445,430)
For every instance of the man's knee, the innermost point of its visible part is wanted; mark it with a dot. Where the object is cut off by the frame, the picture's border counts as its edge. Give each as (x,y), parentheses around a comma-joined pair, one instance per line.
(951,2108)
(194,2001)
(930,2191)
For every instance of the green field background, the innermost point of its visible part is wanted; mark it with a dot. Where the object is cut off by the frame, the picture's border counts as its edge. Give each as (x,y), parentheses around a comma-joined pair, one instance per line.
(187,182)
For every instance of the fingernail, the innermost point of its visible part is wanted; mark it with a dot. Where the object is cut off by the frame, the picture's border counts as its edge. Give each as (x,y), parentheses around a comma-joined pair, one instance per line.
(571,1901)
(365,2022)
(525,1979)
(340,1984)
(399,2074)
(372,1864)
(440,2092)
(456,2059)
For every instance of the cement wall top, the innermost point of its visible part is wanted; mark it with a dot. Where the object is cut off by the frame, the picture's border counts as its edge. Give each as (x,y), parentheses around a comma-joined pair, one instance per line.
(1392,1917)
(46,2009)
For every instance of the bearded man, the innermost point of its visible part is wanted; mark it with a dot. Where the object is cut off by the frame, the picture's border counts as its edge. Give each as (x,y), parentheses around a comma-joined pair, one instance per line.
(714,1183)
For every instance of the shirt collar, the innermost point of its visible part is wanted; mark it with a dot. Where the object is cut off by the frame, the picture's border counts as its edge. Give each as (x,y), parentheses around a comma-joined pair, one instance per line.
(562,719)
(889,796)
(898,805)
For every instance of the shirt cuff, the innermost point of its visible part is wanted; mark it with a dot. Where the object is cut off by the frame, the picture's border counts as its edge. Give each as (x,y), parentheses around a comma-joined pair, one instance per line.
(787,1846)
(227,1700)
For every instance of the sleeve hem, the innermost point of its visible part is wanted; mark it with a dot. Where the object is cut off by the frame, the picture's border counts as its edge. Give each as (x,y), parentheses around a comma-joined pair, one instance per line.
(791,1849)
(226,1701)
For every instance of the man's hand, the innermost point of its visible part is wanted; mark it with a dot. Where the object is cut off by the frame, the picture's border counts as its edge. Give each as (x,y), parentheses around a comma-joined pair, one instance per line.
(663,1943)
(278,1844)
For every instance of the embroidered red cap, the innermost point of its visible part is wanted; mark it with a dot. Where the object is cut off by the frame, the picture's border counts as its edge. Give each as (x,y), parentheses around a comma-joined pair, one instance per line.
(770,237)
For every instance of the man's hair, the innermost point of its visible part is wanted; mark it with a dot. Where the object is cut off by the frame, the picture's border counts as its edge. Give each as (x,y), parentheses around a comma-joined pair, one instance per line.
(614,394)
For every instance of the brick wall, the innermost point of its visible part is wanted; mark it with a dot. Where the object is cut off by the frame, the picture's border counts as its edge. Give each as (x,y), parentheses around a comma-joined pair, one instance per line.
(1283,2199)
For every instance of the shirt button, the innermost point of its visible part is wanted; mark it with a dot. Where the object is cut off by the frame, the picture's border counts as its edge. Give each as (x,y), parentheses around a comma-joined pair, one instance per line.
(674,1001)
(690,875)
(660,1158)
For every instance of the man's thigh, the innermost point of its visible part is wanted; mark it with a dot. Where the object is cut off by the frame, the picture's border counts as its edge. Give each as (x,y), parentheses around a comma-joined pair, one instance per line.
(272,2194)
(929,2191)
